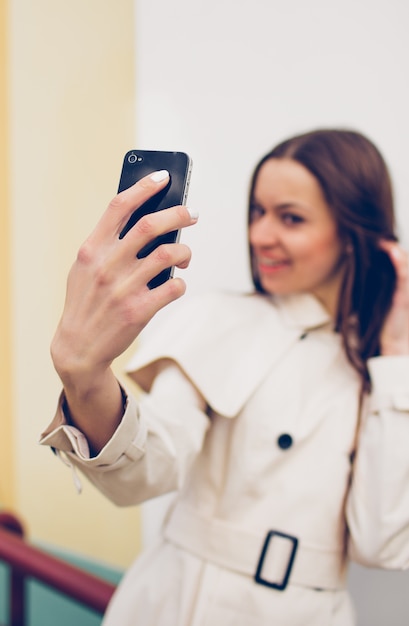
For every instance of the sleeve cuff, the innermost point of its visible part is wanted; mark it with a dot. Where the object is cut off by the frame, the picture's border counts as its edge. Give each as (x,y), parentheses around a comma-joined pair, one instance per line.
(129,437)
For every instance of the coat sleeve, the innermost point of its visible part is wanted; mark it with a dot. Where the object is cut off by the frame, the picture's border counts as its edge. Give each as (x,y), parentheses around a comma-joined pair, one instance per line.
(378,503)
(152,449)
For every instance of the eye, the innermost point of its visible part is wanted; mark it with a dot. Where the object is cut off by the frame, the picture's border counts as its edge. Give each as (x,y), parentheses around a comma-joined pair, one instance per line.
(256,211)
(291,219)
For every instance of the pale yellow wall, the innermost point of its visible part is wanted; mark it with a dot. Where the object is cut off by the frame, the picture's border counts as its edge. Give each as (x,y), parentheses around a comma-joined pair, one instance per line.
(6,407)
(72,119)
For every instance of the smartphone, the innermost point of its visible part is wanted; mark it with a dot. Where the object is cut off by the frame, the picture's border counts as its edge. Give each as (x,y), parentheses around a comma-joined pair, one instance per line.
(140,163)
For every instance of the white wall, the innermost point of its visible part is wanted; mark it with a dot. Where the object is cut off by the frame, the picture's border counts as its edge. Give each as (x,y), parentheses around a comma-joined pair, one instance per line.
(226,79)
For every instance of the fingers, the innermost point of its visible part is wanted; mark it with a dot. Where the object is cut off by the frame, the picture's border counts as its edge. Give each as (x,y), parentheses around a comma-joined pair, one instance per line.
(400,261)
(149,226)
(397,254)
(122,206)
(394,337)
(155,224)
(165,294)
(163,257)
(104,249)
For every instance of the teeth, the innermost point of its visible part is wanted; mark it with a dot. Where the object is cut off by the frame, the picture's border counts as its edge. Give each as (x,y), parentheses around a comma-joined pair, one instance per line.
(271,262)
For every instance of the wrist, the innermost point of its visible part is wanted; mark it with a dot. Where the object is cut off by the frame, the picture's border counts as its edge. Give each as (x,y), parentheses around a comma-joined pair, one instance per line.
(96,410)
(77,374)
(85,386)
(67,412)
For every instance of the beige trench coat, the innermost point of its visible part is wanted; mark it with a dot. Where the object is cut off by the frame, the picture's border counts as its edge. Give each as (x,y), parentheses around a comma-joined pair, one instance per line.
(251,416)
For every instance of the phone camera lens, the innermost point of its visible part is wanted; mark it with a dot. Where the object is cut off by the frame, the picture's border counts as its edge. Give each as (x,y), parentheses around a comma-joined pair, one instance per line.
(133,158)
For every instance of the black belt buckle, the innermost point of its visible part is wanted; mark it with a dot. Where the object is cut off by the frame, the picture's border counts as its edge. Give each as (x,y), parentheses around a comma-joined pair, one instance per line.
(283,584)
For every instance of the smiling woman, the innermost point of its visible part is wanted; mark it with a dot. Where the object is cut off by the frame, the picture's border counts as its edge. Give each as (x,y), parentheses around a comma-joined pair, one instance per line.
(253,402)
(340,185)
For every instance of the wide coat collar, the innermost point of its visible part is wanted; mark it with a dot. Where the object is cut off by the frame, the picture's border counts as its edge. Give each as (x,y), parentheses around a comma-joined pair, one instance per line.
(226,344)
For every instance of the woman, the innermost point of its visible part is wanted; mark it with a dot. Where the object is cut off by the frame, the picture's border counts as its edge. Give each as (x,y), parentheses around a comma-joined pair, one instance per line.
(279,416)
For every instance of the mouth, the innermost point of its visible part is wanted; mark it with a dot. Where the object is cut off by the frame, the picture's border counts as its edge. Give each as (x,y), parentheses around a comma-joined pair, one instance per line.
(266,264)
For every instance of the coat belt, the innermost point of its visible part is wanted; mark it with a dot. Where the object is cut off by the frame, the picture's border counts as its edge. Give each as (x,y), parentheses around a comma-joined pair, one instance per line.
(273,559)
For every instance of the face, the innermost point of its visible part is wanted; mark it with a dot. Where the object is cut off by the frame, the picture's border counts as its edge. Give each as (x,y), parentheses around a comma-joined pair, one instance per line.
(293,236)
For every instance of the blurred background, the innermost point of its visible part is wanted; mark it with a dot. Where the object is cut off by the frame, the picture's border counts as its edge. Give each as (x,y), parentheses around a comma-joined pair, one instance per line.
(224,80)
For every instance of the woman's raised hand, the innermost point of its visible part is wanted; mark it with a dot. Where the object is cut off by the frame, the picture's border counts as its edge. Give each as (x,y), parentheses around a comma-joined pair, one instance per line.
(107,300)
(395,332)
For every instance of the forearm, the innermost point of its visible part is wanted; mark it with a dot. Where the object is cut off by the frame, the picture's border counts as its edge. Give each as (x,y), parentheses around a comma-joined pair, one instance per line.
(153,447)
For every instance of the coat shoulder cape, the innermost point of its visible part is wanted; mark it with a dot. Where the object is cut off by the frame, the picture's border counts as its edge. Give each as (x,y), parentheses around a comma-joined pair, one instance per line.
(224,343)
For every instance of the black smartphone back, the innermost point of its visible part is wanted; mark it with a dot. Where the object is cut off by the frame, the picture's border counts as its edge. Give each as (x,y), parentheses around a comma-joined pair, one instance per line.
(140,163)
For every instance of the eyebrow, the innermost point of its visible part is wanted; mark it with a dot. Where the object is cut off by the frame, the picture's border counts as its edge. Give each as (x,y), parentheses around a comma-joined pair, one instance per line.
(283,206)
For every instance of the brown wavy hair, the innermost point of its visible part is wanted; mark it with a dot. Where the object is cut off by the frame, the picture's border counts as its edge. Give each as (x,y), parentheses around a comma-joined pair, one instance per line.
(357,187)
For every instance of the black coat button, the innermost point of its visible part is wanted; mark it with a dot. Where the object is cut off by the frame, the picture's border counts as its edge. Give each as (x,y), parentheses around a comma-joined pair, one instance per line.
(285,441)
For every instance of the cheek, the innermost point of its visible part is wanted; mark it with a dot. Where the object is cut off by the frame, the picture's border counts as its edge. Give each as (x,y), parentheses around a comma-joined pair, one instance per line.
(324,251)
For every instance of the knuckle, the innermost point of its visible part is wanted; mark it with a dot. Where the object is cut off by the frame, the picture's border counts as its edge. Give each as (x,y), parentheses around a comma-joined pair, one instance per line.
(163,254)
(85,254)
(146,183)
(181,211)
(94,264)
(176,288)
(128,313)
(145,226)
(103,277)
(117,203)
(135,309)
(186,251)
(183,215)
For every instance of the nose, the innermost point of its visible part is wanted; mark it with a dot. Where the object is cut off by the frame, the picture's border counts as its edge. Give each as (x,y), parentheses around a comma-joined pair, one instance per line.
(263,233)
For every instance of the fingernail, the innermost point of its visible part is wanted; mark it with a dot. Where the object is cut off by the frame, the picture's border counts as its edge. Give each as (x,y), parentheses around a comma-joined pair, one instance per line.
(194,213)
(160,175)
(396,253)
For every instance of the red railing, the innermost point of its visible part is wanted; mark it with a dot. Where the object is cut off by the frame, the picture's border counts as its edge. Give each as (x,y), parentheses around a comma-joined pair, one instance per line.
(26,561)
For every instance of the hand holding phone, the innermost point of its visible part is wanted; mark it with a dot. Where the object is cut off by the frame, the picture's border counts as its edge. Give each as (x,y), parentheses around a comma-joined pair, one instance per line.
(107,303)
(140,163)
